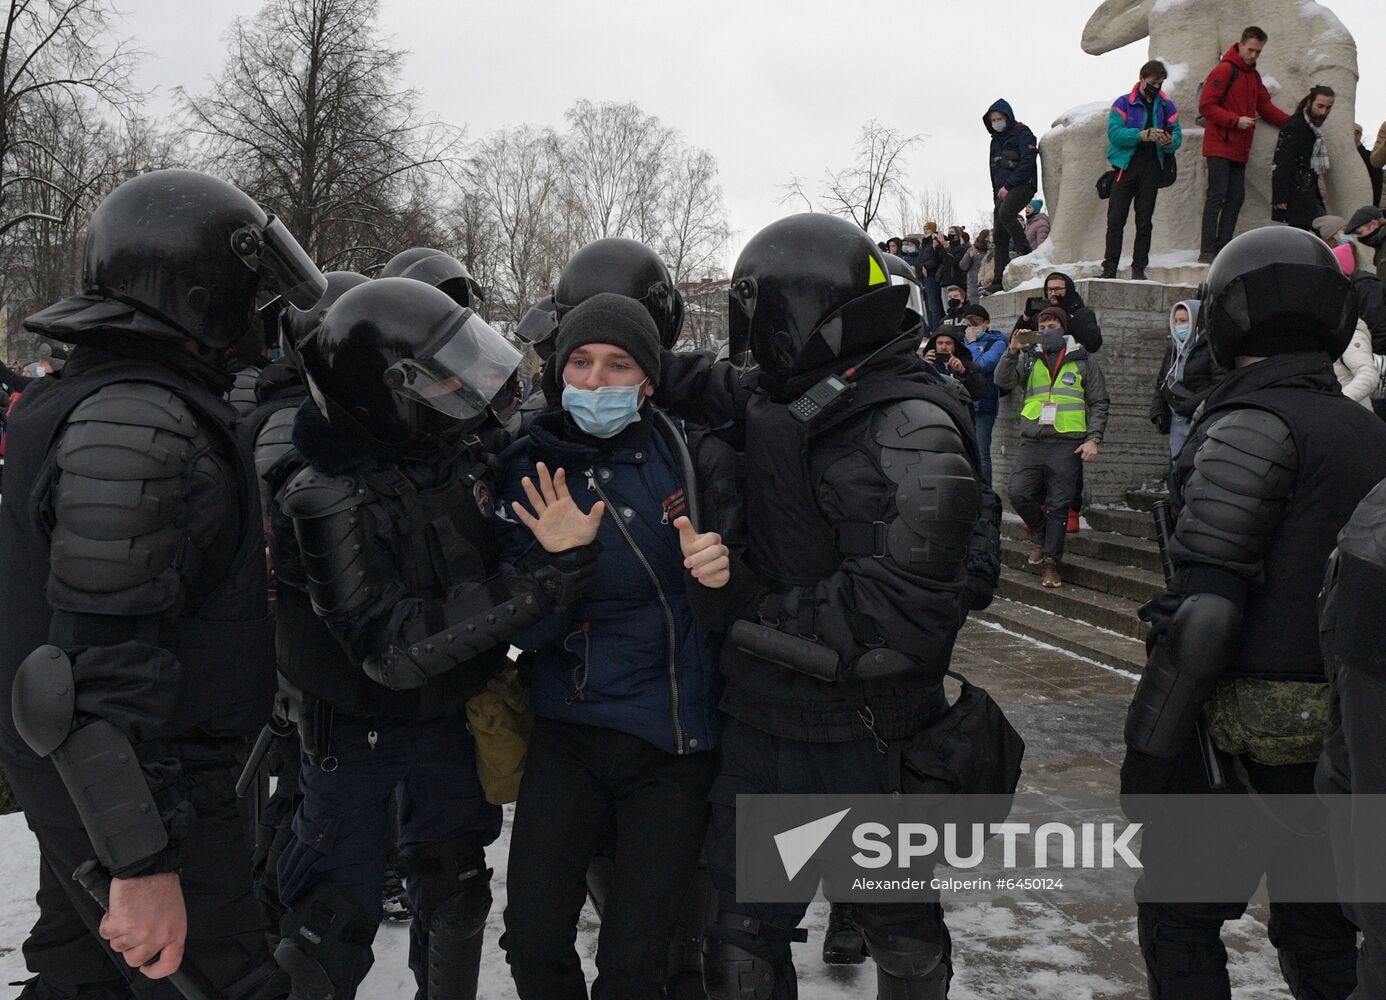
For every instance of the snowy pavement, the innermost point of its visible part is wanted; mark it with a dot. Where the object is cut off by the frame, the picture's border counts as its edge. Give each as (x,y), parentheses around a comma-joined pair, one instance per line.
(1070,712)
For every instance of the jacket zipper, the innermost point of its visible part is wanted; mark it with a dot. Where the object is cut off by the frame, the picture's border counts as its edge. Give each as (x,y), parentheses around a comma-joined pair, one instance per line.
(594,487)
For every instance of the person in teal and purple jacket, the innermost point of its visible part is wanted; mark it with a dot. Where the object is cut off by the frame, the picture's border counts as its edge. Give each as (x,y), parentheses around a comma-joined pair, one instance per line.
(1143,132)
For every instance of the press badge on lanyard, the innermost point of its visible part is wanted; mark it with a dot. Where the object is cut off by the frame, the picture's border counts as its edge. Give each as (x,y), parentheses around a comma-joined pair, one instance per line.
(1049,413)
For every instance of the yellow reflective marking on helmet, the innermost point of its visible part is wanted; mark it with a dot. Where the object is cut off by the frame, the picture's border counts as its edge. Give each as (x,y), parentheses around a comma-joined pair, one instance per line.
(875,275)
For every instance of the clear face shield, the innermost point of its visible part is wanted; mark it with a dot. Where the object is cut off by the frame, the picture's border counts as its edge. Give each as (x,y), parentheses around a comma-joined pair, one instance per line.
(916,299)
(284,266)
(465,370)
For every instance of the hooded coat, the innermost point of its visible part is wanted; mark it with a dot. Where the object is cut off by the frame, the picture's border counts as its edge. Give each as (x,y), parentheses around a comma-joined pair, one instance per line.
(1082,321)
(1224,99)
(1187,374)
(1014,151)
(972,379)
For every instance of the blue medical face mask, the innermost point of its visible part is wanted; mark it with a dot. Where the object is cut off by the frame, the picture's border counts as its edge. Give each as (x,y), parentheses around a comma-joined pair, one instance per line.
(605,411)
(1181,332)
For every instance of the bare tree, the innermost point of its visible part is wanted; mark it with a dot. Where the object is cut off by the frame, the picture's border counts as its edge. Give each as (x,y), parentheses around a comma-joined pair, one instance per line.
(309,117)
(614,161)
(931,203)
(860,191)
(514,176)
(54,54)
(694,231)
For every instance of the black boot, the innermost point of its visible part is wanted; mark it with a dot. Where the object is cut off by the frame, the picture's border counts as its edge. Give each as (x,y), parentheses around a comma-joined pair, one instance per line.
(843,943)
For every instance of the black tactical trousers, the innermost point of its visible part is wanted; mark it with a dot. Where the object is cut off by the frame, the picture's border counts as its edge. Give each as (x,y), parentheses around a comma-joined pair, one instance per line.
(756,762)
(581,782)
(226,932)
(1181,942)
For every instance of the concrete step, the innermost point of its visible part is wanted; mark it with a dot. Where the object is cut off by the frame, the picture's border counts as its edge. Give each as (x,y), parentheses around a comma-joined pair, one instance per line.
(1144,497)
(1120,651)
(1120,550)
(1108,611)
(1138,585)
(1121,521)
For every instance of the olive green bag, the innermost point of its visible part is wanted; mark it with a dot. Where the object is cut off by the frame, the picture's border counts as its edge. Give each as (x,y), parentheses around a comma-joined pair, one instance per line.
(1272,722)
(501,722)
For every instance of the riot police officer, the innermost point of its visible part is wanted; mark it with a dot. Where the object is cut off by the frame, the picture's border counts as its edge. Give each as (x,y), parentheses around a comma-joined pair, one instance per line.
(438,269)
(136,653)
(390,616)
(833,563)
(1274,468)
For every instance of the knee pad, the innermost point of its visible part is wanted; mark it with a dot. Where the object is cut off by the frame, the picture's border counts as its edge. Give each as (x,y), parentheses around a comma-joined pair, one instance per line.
(745,960)
(325,944)
(904,954)
(686,946)
(452,887)
(450,882)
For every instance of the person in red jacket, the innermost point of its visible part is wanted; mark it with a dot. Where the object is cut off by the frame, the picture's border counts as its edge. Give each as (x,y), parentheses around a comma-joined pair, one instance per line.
(1231,99)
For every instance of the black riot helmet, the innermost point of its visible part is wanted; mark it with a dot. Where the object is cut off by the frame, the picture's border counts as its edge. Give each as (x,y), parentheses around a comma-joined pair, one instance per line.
(193,251)
(1274,291)
(442,271)
(625,267)
(297,325)
(538,326)
(808,291)
(406,367)
(902,274)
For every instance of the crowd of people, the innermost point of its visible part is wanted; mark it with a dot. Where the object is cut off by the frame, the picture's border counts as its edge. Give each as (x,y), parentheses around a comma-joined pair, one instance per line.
(620,601)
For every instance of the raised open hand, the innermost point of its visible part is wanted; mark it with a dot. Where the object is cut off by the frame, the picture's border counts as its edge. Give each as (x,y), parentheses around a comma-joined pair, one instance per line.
(558,523)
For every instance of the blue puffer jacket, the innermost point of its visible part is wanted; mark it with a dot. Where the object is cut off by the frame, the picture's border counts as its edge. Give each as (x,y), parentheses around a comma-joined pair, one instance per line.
(1014,152)
(987,351)
(606,662)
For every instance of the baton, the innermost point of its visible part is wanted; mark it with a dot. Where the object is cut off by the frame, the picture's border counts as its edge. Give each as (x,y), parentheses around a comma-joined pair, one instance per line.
(187,979)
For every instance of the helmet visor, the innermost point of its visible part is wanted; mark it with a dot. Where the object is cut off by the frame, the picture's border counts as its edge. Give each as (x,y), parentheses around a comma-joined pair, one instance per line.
(539,323)
(461,373)
(287,268)
(916,302)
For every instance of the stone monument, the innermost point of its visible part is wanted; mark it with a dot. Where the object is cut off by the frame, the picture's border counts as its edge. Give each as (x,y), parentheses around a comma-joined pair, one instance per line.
(1308,45)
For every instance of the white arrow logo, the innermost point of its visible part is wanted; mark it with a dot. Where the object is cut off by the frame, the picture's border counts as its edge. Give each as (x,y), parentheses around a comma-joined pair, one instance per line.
(798,845)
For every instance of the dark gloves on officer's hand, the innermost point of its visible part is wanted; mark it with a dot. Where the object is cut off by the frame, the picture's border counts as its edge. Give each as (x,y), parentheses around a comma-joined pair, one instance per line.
(1161,422)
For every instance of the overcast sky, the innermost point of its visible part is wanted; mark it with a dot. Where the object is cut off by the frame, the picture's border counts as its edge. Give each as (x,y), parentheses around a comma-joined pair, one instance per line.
(772,88)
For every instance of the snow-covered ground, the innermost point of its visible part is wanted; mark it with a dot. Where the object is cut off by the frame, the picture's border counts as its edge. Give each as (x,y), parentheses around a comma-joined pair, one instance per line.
(1038,949)
(1034,950)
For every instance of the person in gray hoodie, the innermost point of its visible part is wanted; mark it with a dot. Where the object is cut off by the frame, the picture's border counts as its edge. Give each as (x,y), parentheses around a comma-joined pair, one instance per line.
(1186,376)
(1062,419)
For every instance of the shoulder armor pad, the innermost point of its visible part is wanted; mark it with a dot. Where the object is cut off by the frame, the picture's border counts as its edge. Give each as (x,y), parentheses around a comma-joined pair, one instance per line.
(312,494)
(1249,452)
(916,425)
(909,426)
(1364,536)
(129,431)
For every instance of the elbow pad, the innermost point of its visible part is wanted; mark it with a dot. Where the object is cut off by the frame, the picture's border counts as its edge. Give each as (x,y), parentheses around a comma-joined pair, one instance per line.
(96,763)
(938,498)
(1199,646)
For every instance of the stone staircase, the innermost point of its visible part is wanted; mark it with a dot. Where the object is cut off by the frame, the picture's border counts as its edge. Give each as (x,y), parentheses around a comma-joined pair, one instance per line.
(1110,569)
